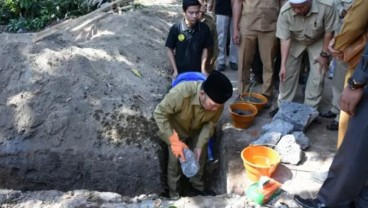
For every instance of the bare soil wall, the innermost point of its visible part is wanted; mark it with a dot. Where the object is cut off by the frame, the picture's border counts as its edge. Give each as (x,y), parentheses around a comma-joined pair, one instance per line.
(74,112)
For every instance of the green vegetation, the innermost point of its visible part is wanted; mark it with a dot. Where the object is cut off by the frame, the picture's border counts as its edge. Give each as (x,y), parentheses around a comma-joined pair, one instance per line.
(33,15)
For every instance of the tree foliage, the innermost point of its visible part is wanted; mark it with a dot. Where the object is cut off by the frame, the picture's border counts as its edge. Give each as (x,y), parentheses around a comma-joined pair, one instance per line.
(33,15)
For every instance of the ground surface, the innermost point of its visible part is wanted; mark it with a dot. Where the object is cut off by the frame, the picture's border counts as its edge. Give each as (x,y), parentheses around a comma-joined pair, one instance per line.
(86,78)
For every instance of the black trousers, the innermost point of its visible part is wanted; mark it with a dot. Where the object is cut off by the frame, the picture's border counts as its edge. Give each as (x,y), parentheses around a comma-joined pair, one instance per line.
(347,176)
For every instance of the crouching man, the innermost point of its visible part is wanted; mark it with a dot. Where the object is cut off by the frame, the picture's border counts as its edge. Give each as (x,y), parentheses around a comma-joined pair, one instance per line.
(187,117)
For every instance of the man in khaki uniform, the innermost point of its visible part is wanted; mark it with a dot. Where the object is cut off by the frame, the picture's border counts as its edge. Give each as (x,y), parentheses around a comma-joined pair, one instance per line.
(187,117)
(255,20)
(208,20)
(340,69)
(305,25)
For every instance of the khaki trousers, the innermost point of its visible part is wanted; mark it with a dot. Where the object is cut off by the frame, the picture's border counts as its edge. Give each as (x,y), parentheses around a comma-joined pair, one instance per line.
(344,117)
(315,83)
(174,172)
(267,43)
(338,86)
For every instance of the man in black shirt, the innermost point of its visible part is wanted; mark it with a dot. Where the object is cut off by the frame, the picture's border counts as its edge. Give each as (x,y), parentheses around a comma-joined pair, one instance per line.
(224,26)
(188,41)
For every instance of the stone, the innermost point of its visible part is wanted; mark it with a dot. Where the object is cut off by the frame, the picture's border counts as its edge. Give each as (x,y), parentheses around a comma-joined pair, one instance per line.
(278,125)
(190,166)
(297,114)
(289,150)
(301,139)
(109,197)
(142,197)
(270,138)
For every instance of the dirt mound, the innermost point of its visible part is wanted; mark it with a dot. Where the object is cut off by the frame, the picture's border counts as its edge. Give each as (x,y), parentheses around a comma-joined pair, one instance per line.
(77,107)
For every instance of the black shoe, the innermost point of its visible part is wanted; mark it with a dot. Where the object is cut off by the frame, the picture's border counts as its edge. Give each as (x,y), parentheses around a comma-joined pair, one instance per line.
(327,114)
(273,112)
(333,126)
(317,120)
(233,66)
(269,102)
(308,203)
(196,192)
(258,79)
(221,67)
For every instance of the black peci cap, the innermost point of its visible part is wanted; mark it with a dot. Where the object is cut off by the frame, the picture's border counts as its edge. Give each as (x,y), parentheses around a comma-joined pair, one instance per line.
(218,87)
(187,3)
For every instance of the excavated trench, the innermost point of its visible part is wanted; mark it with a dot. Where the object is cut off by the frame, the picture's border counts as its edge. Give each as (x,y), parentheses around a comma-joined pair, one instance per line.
(75,115)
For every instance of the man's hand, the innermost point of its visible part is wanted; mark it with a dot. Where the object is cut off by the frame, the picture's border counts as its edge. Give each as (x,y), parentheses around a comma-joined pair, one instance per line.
(349,100)
(336,54)
(323,64)
(282,74)
(236,36)
(197,153)
(174,75)
(177,146)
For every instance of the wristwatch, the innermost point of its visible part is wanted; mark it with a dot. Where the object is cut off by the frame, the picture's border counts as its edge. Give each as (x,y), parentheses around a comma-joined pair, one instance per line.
(355,85)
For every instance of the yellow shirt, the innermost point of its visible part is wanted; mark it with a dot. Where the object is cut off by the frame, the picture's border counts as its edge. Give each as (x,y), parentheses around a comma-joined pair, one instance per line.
(181,110)
(355,25)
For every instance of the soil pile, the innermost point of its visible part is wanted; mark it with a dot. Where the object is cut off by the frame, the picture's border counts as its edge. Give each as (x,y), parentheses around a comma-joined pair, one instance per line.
(76,107)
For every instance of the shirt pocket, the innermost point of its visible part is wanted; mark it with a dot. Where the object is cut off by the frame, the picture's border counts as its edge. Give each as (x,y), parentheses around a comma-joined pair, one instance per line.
(317,30)
(297,32)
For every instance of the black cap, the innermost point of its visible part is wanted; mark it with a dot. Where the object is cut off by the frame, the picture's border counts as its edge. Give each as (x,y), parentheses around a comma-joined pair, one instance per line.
(187,3)
(218,87)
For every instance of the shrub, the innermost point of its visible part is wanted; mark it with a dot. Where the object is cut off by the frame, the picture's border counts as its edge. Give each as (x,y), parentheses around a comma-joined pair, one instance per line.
(33,15)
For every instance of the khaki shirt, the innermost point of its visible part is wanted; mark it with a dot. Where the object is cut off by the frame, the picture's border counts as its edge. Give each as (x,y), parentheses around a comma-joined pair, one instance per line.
(181,110)
(307,31)
(260,15)
(208,20)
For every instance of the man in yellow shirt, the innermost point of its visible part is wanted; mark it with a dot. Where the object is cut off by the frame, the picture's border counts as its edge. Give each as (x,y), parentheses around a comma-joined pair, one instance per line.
(187,117)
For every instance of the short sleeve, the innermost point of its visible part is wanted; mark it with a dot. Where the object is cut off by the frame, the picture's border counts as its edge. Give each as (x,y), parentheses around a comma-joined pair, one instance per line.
(208,43)
(282,29)
(172,37)
(331,19)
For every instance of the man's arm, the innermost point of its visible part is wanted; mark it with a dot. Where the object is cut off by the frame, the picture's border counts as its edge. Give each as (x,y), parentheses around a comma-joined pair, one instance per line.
(285,48)
(324,56)
(170,105)
(170,44)
(326,40)
(207,130)
(207,47)
(204,61)
(351,97)
(171,56)
(237,9)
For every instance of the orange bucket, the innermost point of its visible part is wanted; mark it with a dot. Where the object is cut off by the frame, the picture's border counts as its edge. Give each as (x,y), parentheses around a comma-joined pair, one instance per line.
(258,96)
(259,161)
(242,121)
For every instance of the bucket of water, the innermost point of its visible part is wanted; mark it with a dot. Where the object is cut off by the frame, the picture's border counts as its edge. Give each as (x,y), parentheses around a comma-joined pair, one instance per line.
(259,161)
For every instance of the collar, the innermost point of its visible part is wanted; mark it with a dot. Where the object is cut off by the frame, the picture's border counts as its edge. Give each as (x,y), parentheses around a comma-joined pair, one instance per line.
(195,98)
(313,9)
(184,26)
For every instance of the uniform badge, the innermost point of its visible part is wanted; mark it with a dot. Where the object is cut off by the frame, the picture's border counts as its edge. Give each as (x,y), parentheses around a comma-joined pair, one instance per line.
(181,37)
